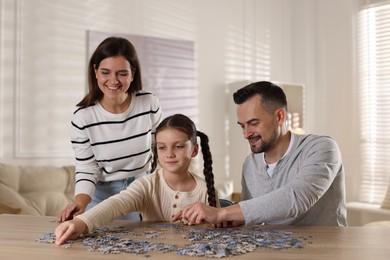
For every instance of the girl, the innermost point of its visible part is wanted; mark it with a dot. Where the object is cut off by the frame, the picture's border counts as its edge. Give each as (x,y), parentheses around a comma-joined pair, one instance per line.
(112,128)
(160,195)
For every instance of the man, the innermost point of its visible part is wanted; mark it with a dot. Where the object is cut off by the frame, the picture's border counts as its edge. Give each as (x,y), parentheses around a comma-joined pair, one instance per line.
(288,179)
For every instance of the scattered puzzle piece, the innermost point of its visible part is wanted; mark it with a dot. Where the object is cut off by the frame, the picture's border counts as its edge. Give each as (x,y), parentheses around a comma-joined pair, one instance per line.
(209,242)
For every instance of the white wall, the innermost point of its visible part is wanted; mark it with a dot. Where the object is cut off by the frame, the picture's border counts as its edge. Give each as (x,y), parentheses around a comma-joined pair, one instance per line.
(323,56)
(43,64)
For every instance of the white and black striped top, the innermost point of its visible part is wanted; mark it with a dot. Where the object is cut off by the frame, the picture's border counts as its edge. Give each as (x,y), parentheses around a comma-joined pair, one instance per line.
(110,147)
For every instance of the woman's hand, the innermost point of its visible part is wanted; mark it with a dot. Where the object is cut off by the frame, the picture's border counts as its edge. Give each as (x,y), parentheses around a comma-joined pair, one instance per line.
(76,208)
(70,212)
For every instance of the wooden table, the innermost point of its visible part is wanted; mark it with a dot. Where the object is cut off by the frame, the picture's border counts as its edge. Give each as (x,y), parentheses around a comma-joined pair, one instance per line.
(18,235)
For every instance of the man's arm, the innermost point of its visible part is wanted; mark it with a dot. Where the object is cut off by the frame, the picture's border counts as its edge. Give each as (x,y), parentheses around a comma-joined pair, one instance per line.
(310,176)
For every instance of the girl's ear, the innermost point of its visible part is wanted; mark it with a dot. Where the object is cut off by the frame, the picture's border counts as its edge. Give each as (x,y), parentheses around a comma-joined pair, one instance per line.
(195,151)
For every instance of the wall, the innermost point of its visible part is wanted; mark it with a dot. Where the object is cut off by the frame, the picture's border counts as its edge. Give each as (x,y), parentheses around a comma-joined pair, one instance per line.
(43,61)
(323,59)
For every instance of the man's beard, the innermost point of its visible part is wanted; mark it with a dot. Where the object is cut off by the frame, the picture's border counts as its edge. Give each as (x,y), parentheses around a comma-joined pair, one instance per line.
(264,145)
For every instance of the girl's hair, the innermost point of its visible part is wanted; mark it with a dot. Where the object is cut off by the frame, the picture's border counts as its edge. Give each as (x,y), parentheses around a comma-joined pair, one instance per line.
(111,47)
(186,125)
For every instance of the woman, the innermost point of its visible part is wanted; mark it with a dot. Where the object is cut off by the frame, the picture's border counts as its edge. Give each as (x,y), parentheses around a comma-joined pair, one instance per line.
(112,128)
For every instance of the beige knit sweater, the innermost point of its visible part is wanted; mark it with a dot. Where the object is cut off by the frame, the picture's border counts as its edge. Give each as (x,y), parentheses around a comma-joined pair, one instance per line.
(149,195)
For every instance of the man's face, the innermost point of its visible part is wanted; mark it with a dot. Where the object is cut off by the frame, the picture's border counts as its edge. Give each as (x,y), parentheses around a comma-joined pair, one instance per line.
(259,126)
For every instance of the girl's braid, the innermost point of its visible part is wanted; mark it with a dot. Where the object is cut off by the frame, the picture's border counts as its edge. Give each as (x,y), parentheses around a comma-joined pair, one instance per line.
(207,168)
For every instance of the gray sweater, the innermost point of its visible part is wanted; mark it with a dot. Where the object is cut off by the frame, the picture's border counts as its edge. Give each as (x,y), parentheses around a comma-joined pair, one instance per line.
(307,186)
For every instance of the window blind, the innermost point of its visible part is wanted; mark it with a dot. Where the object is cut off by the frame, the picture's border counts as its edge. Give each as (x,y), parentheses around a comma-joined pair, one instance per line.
(373,46)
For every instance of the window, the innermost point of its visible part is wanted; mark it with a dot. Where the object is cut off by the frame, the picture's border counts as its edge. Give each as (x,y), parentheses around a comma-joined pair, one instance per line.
(373,30)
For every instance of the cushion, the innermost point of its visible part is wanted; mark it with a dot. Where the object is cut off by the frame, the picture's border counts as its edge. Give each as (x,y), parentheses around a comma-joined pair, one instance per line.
(37,190)
(386,201)
(7,208)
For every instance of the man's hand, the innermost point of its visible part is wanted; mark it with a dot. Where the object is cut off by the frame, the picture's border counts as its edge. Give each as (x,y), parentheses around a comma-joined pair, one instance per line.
(198,213)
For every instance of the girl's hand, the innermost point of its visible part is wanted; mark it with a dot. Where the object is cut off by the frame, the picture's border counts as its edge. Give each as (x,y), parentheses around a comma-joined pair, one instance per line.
(197,213)
(69,230)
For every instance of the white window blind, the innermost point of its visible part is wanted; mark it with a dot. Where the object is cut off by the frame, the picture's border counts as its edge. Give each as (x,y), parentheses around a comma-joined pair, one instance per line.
(373,30)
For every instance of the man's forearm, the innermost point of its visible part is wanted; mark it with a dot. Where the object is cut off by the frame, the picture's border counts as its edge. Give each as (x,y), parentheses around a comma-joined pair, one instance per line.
(232,213)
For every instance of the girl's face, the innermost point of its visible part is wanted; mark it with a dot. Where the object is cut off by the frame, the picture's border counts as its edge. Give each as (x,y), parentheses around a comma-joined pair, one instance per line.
(114,77)
(174,150)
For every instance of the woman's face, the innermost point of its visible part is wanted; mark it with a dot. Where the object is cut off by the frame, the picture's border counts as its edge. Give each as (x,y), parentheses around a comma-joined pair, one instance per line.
(114,77)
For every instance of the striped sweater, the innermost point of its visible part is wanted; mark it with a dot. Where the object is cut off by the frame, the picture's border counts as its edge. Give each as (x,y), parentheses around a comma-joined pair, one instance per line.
(110,147)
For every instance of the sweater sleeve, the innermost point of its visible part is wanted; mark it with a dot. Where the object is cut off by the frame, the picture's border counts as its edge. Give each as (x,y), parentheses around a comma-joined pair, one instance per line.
(129,200)
(313,169)
(156,116)
(86,166)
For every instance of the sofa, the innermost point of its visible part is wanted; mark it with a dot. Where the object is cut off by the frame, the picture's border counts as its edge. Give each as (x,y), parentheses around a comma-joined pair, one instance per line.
(35,190)
(368,214)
